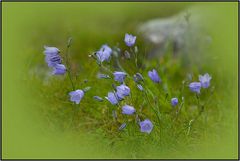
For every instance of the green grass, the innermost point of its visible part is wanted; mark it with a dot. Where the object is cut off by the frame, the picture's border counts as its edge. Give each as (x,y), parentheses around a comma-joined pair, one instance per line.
(37,111)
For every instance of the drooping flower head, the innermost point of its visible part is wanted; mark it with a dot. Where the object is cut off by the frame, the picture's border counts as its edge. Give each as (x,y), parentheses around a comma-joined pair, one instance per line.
(122,91)
(153,75)
(174,101)
(137,77)
(106,49)
(53,60)
(119,76)
(128,110)
(59,69)
(112,98)
(76,96)
(127,54)
(129,39)
(122,126)
(51,50)
(52,56)
(102,76)
(205,80)
(195,87)
(140,87)
(104,53)
(97,98)
(146,126)
(101,56)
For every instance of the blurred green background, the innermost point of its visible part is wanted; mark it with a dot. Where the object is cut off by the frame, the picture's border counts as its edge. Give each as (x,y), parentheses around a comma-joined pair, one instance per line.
(28,26)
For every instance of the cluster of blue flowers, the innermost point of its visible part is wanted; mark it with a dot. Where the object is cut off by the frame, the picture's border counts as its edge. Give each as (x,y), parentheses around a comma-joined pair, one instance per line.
(204,82)
(121,91)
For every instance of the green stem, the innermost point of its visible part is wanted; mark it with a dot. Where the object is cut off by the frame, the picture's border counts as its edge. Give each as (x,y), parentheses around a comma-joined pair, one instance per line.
(121,68)
(69,68)
(135,57)
(178,111)
(198,101)
(106,69)
(136,60)
(152,108)
(199,114)
(70,78)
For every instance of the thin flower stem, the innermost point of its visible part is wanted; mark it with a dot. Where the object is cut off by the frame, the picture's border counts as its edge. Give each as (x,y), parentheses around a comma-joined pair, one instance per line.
(178,111)
(136,60)
(128,129)
(69,68)
(193,120)
(106,69)
(101,64)
(152,107)
(199,114)
(135,57)
(198,99)
(70,78)
(201,108)
(120,67)
(209,99)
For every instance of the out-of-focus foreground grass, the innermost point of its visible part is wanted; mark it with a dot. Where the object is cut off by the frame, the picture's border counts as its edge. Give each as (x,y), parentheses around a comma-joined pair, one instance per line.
(37,120)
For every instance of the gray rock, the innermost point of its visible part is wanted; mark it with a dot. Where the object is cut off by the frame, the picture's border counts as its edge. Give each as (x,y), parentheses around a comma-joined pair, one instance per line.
(180,31)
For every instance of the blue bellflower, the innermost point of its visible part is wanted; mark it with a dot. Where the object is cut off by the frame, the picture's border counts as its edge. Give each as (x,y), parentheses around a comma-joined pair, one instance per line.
(129,39)
(59,69)
(51,50)
(128,110)
(127,54)
(54,60)
(104,53)
(140,87)
(195,87)
(76,96)
(97,98)
(119,76)
(205,80)
(174,101)
(106,48)
(52,56)
(146,126)
(153,75)
(112,98)
(122,91)
(122,126)
(137,77)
